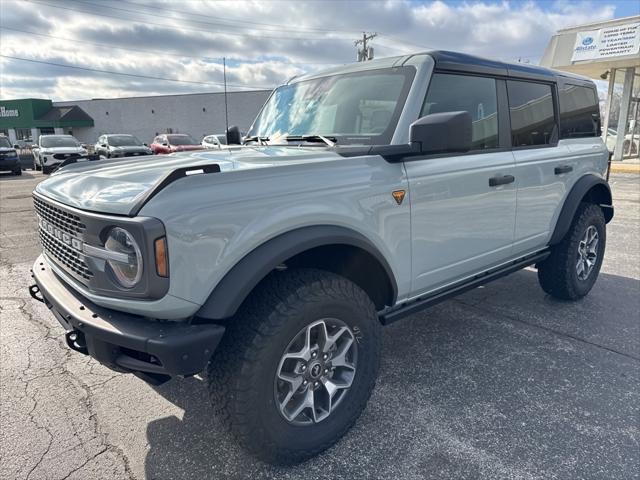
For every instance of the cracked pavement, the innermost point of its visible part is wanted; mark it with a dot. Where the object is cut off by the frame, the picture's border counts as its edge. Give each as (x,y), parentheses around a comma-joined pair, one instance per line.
(501,382)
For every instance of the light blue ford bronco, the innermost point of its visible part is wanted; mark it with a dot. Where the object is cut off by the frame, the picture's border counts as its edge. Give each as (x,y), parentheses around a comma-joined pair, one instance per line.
(361,194)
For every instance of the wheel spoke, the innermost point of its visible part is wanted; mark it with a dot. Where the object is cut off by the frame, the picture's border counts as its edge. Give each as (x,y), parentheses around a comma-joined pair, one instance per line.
(305,402)
(332,339)
(580,267)
(339,359)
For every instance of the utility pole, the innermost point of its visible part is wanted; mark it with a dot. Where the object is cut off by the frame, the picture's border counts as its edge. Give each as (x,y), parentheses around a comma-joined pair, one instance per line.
(226,111)
(365,53)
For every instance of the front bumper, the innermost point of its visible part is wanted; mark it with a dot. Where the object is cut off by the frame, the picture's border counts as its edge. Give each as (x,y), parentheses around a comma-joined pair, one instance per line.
(10,164)
(151,349)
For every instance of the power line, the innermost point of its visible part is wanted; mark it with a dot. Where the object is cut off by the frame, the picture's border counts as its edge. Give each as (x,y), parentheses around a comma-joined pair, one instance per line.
(135,75)
(146,22)
(243,21)
(181,55)
(170,27)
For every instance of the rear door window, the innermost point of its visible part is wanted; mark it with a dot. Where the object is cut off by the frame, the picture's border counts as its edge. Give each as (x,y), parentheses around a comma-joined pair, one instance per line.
(579,112)
(476,95)
(531,107)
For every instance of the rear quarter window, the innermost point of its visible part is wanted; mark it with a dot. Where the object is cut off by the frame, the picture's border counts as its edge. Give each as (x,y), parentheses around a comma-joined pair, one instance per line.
(532,113)
(579,112)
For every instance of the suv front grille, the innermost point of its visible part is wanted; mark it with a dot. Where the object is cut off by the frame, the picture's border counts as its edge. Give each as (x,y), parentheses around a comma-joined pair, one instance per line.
(66,256)
(65,221)
(60,223)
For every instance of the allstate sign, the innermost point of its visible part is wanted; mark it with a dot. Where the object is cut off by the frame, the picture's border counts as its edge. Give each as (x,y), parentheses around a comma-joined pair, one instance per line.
(607,42)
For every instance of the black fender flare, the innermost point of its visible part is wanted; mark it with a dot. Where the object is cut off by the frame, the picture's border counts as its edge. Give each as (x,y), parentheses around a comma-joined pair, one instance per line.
(596,190)
(237,284)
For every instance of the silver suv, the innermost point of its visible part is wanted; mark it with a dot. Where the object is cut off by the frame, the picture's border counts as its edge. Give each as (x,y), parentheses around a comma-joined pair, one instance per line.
(361,194)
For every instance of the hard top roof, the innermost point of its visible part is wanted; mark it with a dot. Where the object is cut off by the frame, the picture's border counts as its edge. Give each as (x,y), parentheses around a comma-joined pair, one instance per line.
(453,61)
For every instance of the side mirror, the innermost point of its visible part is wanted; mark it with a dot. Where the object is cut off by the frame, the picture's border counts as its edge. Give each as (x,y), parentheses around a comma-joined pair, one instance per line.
(103,145)
(233,136)
(16,146)
(165,144)
(442,132)
(34,146)
(145,144)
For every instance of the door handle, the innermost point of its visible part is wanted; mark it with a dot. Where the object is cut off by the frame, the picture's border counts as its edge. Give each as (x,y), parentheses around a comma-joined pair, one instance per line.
(563,169)
(503,180)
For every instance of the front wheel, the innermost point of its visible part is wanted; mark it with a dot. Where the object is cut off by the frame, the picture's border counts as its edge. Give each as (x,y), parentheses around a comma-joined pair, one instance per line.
(572,268)
(297,365)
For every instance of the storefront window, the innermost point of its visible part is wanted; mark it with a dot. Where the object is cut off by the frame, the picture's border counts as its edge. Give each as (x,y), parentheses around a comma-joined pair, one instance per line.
(47,131)
(23,134)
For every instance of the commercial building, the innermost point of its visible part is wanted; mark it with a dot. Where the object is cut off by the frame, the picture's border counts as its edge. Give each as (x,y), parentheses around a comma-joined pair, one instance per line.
(145,117)
(606,51)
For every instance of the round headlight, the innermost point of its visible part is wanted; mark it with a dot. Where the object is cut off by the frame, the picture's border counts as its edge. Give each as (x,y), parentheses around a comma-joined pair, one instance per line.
(127,273)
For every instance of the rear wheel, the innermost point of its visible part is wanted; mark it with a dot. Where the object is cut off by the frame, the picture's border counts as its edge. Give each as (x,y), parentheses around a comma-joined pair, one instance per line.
(297,366)
(571,270)
(18,172)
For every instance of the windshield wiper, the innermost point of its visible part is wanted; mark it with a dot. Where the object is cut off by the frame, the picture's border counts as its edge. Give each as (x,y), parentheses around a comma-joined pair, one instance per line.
(330,141)
(256,138)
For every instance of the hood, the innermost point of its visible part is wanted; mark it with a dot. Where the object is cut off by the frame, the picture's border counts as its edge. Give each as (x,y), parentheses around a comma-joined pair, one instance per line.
(7,149)
(130,148)
(185,148)
(54,150)
(115,185)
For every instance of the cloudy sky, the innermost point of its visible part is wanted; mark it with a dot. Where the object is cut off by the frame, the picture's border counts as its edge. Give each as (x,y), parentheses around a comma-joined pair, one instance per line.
(265,42)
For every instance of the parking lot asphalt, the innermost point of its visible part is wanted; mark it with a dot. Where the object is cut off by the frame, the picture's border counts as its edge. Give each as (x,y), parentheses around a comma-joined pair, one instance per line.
(501,382)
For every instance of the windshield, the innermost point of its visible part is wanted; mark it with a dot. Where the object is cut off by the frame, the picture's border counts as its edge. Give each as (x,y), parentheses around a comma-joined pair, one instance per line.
(5,143)
(355,108)
(181,140)
(53,142)
(123,141)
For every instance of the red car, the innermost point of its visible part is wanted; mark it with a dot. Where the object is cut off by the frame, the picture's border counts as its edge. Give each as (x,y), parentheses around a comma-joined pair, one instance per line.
(174,142)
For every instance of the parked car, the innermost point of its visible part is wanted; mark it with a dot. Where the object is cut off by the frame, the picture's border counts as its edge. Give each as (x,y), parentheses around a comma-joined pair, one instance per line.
(214,141)
(52,150)
(174,142)
(120,145)
(371,191)
(9,159)
(630,146)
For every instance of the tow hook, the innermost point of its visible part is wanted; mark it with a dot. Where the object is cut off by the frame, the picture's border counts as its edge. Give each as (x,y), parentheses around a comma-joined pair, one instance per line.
(76,341)
(35,293)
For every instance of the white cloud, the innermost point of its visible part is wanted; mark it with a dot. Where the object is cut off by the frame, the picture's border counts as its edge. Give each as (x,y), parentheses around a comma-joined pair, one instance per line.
(197,33)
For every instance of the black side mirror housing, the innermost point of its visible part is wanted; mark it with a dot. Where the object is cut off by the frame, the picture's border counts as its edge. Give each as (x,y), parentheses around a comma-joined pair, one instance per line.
(447,132)
(104,145)
(233,136)
(16,146)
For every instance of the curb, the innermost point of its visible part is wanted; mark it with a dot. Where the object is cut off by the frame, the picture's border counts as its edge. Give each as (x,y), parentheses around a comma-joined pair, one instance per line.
(625,168)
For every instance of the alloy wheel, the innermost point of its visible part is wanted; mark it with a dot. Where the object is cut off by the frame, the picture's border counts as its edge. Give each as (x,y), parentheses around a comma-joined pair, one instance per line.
(587,253)
(316,371)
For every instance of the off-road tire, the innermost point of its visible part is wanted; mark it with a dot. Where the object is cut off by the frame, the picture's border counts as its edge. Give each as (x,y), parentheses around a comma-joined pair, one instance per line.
(242,372)
(18,172)
(557,274)
(46,170)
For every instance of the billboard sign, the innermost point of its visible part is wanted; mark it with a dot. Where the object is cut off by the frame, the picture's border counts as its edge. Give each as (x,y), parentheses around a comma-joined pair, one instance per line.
(607,42)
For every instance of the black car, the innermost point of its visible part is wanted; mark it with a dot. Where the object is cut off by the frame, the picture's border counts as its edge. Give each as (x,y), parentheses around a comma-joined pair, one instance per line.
(9,158)
(121,145)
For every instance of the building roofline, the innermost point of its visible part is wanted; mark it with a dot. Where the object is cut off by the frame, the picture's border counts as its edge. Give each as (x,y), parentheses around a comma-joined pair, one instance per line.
(600,24)
(160,96)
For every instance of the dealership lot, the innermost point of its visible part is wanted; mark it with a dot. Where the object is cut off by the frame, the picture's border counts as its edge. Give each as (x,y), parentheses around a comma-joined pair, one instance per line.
(502,382)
